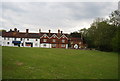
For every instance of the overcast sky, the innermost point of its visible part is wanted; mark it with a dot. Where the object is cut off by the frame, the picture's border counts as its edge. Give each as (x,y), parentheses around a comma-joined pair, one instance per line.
(66,16)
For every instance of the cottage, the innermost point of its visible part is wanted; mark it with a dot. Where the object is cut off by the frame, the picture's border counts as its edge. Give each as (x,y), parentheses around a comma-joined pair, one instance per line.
(41,39)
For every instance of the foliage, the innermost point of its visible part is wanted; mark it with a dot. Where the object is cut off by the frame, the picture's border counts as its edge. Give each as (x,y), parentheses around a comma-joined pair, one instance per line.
(75,34)
(116,40)
(104,34)
(115,18)
(101,36)
(2,30)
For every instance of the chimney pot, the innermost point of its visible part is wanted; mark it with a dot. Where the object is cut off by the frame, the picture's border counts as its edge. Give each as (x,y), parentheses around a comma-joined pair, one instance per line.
(10,30)
(27,30)
(61,32)
(58,31)
(15,29)
(49,32)
(39,30)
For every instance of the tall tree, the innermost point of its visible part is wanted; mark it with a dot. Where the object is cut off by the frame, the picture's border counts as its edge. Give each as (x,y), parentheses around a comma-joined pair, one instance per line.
(115,18)
(75,34)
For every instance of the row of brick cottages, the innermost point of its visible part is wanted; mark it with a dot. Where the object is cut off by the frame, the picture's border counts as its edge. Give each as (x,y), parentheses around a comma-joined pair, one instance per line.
(41,39)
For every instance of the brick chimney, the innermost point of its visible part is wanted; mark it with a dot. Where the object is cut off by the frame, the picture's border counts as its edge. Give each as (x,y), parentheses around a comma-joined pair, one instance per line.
(40,32)
(49,32)
(10,30)
(61,32)
(15,29)
(58,33)
(27,30)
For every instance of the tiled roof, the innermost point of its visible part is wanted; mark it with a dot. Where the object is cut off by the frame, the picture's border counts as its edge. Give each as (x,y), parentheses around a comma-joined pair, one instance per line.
(27,35)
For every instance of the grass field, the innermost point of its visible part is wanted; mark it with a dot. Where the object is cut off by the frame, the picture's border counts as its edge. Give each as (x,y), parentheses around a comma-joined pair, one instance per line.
(46,63)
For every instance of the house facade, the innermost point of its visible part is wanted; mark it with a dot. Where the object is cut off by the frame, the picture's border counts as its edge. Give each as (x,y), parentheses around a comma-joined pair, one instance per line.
(40,39)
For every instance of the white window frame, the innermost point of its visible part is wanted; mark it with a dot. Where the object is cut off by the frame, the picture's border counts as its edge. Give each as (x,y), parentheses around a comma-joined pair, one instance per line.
(53,45)
(63,40)
(53,40)
(44,40)
(63,45)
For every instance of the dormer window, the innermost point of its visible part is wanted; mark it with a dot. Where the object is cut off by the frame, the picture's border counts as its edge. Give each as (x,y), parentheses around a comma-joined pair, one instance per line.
(44,40)
(54,40)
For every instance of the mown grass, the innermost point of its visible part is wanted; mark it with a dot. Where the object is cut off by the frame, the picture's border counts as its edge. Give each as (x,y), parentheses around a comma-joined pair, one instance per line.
(46,63)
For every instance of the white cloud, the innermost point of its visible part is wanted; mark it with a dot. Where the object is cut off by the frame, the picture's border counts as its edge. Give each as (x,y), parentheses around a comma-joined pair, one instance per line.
(67,16)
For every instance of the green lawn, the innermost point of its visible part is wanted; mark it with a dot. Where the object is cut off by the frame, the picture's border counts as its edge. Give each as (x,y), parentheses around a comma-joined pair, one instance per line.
(46,63)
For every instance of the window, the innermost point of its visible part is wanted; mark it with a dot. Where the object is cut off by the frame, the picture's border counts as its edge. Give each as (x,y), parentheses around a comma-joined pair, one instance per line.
(8,43)
(71,42)
(54,40)
(63,41)
(21,39)
(53,45)
(80,47)
(63,45)
(8,38)
(27,39)
(79,42)
(36,39)
(4,38)
(44,40)
(14,38)
(35,44)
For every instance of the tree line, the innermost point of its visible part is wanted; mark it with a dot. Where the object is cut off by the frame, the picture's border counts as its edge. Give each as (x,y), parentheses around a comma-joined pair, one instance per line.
(103,34)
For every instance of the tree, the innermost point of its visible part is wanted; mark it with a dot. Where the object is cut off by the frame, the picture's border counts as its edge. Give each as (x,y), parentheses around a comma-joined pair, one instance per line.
(75,34)
(99,35)
(115,18)
(116,40)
